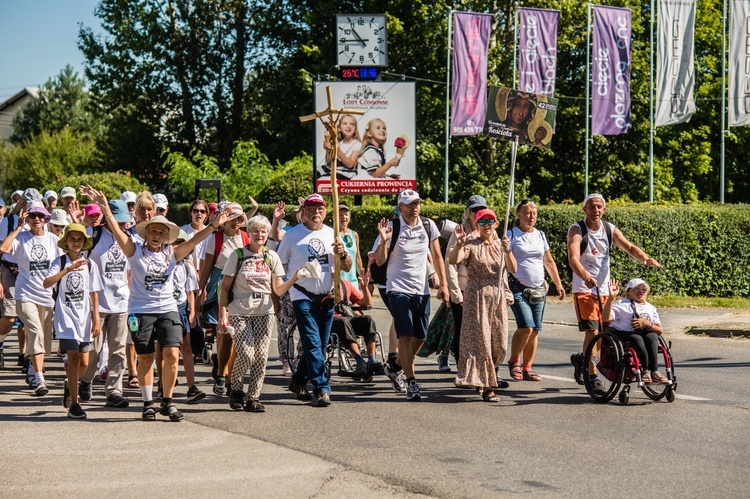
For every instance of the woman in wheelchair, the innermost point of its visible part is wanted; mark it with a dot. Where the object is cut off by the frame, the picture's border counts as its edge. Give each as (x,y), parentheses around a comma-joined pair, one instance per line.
(636,321)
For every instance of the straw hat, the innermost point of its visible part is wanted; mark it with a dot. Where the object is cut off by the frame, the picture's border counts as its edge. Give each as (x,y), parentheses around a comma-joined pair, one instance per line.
(174,231)
(63,242)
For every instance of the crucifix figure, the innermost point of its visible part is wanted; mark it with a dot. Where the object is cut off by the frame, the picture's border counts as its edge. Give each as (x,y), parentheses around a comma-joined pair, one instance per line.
(331,124)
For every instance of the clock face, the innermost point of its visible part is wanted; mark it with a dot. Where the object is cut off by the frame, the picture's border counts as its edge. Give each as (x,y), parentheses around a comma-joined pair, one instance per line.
(361,40)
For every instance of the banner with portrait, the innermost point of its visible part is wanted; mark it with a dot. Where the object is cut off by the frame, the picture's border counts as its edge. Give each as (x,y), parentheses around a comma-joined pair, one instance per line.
(537,51)
(377,153)
(675,67)
(610,78)
(471,38)
(512,115)
(739,64)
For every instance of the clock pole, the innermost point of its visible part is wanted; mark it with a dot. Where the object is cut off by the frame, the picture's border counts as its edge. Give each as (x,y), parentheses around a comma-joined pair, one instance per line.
(331,125)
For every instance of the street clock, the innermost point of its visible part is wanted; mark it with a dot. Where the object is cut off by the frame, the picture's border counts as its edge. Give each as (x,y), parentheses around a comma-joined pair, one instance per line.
(361,40)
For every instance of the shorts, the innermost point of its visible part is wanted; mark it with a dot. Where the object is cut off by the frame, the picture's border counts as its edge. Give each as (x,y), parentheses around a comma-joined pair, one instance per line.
(184,318)
(410,313)
(384,297)
(8,280)
(38,322)
(164,328)
(588,312)
(526,314)
(75,345)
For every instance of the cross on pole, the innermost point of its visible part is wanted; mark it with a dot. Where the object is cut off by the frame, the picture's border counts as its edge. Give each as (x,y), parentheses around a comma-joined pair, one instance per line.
(331,124)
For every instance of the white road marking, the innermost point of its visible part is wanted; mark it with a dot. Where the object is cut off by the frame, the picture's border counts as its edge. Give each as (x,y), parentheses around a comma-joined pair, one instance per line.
(690,397)
(678,395)
(557,378)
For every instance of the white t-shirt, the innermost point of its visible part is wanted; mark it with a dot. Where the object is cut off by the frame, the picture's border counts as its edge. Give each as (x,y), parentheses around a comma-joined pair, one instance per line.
(622,313)
(528,248)
(230,244)
(370,159)
(199,252)
(185,280)
(34,256)
(407,265)
(252,287)
(595,260)
(11,258)
(151,285)
(73,307)
(113,271)
(301,245)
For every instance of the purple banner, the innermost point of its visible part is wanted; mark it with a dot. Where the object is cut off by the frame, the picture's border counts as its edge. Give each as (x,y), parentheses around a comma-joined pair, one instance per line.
(610,79)
(471,38)
(537,55)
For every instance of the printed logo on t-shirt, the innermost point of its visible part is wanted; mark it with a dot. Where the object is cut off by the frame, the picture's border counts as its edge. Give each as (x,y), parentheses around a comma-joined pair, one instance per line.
(39,263)
(175,284)
(116,261)
(317,250)
(74,291)
(255,269)
(156,274)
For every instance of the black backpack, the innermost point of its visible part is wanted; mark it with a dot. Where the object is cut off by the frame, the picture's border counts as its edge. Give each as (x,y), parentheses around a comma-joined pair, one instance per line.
(585,234)
(379,273)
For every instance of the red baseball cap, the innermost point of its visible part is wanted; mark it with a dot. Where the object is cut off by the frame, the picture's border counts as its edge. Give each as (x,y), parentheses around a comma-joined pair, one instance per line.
(486,213)
(313,200)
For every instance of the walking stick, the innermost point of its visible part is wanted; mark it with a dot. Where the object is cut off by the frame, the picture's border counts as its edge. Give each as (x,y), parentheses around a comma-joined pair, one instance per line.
(501,283)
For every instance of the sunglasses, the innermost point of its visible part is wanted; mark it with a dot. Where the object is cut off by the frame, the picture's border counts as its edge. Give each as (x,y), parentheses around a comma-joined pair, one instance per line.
(486,221)
(35,215)
(160,210)
(199,212)
(476,209)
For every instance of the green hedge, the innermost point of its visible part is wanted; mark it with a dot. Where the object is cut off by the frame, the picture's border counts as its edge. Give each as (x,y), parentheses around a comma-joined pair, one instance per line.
(704,249)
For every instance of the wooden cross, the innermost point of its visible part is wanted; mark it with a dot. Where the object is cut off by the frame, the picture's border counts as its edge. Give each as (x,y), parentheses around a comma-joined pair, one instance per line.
(331,124)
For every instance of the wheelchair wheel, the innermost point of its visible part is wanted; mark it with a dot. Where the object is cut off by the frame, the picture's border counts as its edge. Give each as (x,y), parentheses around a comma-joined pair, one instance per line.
(603,369)
(656,391)
(292,348)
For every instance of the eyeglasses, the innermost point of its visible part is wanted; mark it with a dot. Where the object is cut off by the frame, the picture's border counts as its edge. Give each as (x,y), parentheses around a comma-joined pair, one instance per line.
(486,221)
(199,212)
(476,209)
(35,215)
(131,205)
(161,210)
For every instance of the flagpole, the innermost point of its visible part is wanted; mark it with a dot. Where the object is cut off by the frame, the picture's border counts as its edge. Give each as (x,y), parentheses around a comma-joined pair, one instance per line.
(447,108)
(511,185)
(652,131)
(588,95)
(723,101)
(512,192)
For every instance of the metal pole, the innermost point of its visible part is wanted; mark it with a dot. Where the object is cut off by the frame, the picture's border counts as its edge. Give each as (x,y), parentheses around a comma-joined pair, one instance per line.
(513,151)
(512,193)
(447,107)
(588,96)
(652,130)
(723,101)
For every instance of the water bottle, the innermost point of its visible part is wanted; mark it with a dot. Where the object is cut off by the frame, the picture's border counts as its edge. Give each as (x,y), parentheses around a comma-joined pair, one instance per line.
(230,330)
(133,323)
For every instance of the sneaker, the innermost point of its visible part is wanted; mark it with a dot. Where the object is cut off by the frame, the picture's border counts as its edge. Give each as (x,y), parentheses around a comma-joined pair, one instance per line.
(25,367)
(21,360)
(41,389)
(360,370)
(236,399)
(194,395)
(598,388)
(118,401)
(444,363)
(374,367)
(84,391)
(66,400)
(31,381)
(214,366)
(322,400)
(415,391)
(397,378)
(149,412)
(287,370)
(300,391)
(220,385)
(171,411)
(254,405)
(76,412)
(159,391)
(577,360)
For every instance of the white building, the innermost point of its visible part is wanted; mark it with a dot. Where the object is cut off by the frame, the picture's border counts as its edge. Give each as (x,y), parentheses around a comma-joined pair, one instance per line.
(11,107)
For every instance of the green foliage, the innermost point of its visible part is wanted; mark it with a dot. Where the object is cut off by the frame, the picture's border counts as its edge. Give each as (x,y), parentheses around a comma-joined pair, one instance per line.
(293,179)
(112,184)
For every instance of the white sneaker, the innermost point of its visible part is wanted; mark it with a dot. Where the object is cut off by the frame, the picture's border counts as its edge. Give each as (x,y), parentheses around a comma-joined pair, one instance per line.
(287,370)
(415,391)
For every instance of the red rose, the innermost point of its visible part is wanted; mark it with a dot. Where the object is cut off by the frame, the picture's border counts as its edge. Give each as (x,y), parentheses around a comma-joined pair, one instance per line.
(400,142)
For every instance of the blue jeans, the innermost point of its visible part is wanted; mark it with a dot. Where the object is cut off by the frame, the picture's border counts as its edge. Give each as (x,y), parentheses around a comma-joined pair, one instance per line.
(314,328)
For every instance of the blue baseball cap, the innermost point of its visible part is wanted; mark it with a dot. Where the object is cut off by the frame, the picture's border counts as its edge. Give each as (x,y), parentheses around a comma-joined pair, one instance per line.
(476,201)
(120,211)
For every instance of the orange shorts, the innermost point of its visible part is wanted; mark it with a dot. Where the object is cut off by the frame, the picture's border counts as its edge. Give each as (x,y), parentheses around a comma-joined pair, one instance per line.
(588,312)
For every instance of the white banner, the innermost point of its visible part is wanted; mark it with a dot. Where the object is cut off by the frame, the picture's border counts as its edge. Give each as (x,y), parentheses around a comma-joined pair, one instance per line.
(675,73)
(739,64)
(377,150)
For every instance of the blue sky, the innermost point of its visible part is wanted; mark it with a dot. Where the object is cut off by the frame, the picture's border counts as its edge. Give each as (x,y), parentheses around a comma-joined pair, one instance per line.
(38,38)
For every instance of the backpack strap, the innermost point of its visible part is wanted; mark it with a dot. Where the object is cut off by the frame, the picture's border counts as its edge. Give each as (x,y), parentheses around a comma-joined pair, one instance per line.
(396,228)
(585,234)
(218,245)
(96,235)
(240,259)
(245,237)
(56,289)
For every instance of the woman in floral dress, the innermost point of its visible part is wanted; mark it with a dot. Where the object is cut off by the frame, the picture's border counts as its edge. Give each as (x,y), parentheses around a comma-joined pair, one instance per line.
(484,332)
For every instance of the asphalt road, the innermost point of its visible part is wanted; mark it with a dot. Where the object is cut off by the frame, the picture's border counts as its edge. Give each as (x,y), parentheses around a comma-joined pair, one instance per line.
(543,438)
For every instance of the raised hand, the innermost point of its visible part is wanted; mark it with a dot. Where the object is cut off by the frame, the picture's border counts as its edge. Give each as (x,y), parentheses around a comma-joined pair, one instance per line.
(77,265)
(384,230)
(460,234)
(219,217)
(614,287)
(253,202)
(76,213)
(278,211)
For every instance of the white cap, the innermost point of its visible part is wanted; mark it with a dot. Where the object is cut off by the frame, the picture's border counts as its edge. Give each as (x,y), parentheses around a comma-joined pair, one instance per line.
(594,196)
(160,200)
(50,194)
(16,193)
(636,282)
(68,192)
(128,197)
(408,196)
(59,217)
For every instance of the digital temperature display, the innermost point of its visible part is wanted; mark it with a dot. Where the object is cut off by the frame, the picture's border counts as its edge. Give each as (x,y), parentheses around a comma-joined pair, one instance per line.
(363,74)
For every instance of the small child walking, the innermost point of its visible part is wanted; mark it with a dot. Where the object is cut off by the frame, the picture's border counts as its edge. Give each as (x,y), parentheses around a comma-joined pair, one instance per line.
(76,319)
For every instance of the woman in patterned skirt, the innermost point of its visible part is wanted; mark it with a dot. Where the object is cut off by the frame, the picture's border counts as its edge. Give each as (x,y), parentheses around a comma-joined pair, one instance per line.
(484,331)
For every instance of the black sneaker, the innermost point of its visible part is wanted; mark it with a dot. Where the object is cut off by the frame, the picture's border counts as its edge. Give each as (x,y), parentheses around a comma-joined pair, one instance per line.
(577,360)
(21,360)
(220,386)
(396,377)
(41,389)
(360,370)
(149,412)
(84,391)
(254,405)
(76,412)
(415,391)
(598,388)
(115,400)
(374,367)
(236,400)
(214,366)
(322,400)
(300,391)
(171,411)
(66,400)
(194,395)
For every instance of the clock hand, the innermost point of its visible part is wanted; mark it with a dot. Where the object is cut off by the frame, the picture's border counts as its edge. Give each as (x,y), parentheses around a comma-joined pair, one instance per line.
(360,38)
(343,40)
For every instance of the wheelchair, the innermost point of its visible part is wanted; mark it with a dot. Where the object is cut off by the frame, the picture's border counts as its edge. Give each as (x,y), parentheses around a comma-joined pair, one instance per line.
(616,365)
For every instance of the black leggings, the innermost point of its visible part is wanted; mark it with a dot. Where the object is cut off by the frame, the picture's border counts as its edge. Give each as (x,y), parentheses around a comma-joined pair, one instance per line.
(645,344)
(458,316)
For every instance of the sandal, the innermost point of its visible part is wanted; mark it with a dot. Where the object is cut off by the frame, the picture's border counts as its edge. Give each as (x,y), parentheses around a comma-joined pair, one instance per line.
(515,371)
(529,375)
(646,378)
(489,396)
(657,377)
(133,381)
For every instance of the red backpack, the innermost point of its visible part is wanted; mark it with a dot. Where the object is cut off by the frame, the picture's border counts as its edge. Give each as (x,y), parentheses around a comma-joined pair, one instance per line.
(219,242)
